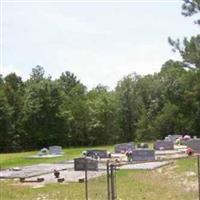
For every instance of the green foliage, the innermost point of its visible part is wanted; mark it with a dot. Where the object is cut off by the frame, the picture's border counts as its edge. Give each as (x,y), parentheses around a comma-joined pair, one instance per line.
(41,112)
(128,106)
(189,49)
(103,124)
(191,7)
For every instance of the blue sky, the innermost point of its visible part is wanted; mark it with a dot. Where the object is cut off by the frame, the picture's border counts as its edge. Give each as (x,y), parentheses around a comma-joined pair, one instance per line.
(99,42)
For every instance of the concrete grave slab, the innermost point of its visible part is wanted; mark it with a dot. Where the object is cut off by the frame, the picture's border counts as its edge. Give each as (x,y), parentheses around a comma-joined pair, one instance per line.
(146,166)
(67,175)
(31,171)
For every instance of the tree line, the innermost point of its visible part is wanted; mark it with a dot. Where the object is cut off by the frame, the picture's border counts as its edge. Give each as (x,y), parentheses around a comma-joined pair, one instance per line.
(42,111)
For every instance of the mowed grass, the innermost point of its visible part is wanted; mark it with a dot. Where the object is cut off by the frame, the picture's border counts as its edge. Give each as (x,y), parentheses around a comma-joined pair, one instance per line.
(21,159)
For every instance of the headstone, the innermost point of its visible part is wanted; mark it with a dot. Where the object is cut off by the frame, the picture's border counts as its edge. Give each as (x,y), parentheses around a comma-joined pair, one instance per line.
(194,144)
(80,164)
(143,146)
(167,138)
(173,138)
(43,151)
(185,140)
(100,153)
(124,147)
(55,150)
(143,155)
(163,145)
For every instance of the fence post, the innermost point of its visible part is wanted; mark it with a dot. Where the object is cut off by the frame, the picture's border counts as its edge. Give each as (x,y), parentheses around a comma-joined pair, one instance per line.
(86,180)
(198,165)
(112,167)
(108,179)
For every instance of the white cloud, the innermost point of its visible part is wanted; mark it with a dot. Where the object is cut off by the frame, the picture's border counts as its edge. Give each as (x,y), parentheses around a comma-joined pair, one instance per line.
(99,44)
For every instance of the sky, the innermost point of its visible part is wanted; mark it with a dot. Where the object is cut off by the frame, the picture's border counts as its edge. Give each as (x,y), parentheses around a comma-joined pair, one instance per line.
(100,42)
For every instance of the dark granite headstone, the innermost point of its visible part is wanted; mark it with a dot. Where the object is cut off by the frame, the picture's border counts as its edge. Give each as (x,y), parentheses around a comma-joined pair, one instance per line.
(124,147)
(100,153)
(194,144)
(81,163)
(163,145)
(143,155)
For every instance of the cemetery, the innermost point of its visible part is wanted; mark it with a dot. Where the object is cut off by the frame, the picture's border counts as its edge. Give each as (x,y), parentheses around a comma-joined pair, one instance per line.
(99,171)
(100,100)
(153,158)
(127,156)
(51,152)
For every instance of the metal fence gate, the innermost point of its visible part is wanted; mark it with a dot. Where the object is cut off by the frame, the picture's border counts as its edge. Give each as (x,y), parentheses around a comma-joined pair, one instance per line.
(102,187)
(111,181)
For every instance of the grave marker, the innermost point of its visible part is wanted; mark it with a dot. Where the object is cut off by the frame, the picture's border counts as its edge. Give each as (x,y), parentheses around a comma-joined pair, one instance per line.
(143,146)
(43,151)
(143,155)
(80,164)
(173,138)
(194,144)
(163,145)
(124,147)
(55,150)
(99,152)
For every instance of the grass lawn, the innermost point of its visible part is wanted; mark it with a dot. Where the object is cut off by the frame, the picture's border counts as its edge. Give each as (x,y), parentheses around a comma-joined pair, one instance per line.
(20,159)
(173,182)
